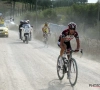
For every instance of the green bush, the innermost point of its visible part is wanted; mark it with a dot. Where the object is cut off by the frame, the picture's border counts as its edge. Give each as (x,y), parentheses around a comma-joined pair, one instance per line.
(49,15)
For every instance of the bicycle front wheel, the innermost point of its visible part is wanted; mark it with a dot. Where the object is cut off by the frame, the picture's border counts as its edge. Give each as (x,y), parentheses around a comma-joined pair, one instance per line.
(45,39)
(73,72)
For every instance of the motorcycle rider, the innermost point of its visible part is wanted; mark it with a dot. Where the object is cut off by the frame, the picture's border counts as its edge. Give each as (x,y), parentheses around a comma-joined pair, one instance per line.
(31,27)
(20,30)
(25,24)
(22,24)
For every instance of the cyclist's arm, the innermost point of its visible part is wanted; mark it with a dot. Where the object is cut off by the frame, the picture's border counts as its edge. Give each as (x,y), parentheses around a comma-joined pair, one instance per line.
(78,43)
(42,29)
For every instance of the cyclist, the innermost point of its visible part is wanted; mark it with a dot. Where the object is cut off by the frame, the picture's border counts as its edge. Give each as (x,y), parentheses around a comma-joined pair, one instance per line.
(45,29)
(65,37)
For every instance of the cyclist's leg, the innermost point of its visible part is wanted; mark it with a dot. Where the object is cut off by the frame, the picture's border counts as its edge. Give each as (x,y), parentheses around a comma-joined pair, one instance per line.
(44,34)
(68,55)
(63,48)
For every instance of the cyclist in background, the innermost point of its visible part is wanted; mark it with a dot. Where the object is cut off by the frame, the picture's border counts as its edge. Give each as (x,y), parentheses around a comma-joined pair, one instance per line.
(45,29)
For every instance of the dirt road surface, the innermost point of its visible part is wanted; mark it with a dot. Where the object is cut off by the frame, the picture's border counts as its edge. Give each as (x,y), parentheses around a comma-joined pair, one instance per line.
(33,67)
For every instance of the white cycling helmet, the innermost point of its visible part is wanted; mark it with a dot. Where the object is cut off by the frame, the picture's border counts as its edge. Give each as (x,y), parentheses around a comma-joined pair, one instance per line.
(72,25)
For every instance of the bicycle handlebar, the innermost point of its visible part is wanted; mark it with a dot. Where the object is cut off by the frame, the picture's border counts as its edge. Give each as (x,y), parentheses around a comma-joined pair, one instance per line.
(71,51)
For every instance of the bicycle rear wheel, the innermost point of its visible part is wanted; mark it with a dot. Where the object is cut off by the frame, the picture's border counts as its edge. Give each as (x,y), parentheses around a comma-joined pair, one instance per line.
(60,72)
(73,72)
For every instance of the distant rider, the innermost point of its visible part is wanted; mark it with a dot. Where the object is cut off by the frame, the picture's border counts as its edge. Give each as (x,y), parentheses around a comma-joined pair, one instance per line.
(45,29)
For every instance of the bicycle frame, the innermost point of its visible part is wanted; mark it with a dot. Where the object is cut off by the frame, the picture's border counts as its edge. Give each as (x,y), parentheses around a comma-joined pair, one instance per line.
(46,35)
(68,60)
(69,65)
(46,38)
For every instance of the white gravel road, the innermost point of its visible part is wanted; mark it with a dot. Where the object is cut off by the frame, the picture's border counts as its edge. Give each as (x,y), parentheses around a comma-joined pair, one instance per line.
(33,67)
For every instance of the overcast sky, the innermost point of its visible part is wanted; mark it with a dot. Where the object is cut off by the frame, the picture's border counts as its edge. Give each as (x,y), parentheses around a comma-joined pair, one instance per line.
(92,1)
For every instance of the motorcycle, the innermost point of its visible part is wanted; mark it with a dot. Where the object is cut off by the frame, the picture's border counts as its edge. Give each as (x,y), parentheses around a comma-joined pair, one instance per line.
(26,33)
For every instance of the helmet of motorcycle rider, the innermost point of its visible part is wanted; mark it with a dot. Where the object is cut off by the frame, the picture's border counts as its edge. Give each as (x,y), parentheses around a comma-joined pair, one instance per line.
(28,21)
(21,21)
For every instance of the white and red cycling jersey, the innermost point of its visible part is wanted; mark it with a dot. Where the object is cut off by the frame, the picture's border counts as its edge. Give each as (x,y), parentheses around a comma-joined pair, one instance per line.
(66,34)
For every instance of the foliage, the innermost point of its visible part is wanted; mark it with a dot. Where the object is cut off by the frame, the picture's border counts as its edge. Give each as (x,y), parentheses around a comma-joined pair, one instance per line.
(85,15)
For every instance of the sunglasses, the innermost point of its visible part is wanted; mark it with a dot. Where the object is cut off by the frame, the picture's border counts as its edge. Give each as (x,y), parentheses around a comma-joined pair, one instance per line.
(72,28)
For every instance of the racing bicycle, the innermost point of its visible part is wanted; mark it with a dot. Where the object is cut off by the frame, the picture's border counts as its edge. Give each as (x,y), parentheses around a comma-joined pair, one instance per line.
(69,66)
(46,35)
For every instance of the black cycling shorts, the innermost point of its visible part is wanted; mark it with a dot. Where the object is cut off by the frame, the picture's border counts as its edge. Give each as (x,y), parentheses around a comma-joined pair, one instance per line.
(68,45)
